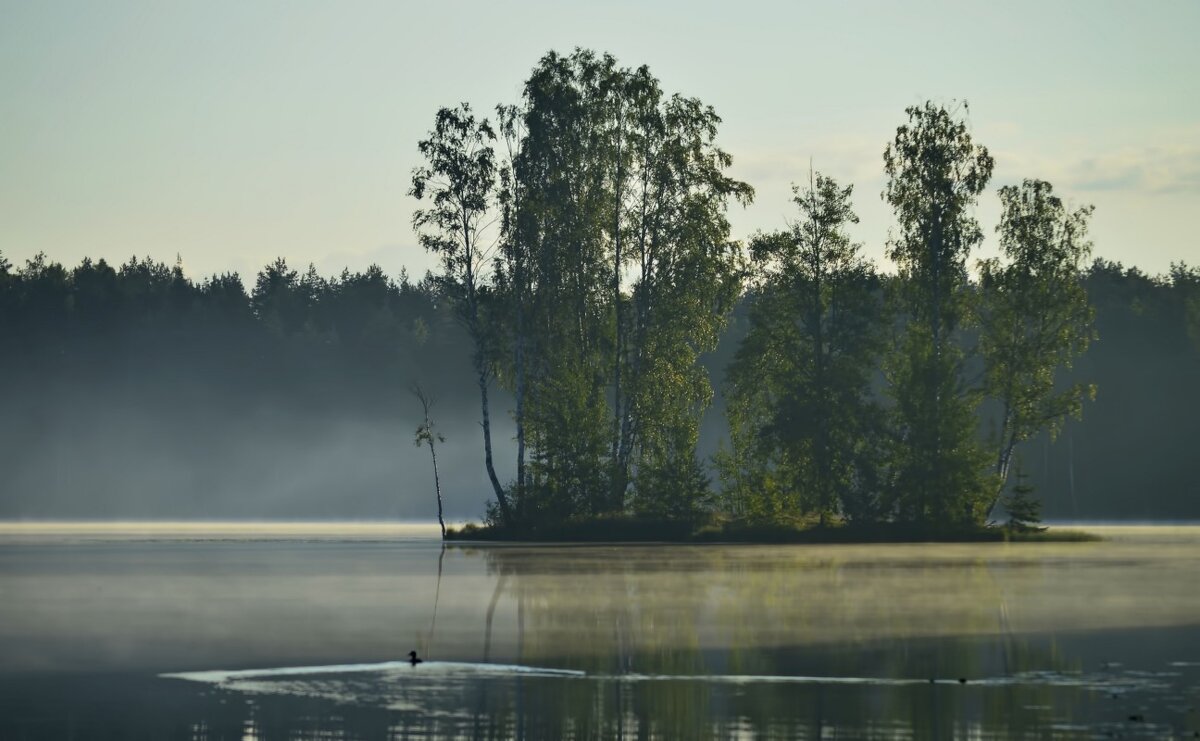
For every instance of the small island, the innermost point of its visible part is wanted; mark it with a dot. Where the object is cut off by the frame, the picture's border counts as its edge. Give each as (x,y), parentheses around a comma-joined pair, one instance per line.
(586,250)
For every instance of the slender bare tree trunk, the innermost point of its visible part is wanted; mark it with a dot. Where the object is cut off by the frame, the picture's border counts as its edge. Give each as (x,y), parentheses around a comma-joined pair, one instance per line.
(426,434)
(484,376)
(437,486)
(1008,436)
(501,497)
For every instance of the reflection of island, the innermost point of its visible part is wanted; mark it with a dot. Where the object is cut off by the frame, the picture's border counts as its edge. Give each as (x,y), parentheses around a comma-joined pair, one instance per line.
(758,614)
(696,642)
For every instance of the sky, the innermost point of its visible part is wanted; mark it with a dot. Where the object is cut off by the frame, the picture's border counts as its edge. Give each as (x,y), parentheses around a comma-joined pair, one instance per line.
(229,133)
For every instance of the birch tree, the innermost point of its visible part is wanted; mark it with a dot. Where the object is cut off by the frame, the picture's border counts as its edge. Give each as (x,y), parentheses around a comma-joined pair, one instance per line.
(1035,316)
(427,435)
(935,172)
(459,180)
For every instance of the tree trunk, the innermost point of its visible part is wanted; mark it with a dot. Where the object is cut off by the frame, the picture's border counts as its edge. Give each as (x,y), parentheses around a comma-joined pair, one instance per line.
(437,486)
(1003,460)
(641,312)
(618,474)
(520,412)
(427,434)
(481,370)
(501,497)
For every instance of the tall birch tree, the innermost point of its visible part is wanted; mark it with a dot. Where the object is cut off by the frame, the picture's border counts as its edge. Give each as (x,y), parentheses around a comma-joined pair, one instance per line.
(1035,316)
(459,180)
(935,173)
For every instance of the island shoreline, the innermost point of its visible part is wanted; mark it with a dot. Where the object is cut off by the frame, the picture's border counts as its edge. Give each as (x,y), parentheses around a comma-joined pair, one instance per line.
(616,531)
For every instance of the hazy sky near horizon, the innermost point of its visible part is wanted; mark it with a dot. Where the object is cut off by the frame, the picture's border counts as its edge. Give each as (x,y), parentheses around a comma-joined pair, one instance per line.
(230,133)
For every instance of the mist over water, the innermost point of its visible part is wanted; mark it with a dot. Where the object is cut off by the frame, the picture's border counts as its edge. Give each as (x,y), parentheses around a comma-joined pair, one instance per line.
(256,463)
(1057,639)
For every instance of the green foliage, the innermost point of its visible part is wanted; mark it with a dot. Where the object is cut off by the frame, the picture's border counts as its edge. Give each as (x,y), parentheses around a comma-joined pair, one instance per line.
(935,172)
(425,435)
(459,178)
(1024,510)
(936,464)
(279,299)
(1185,284)
(751,488)
(1035,315)
(799,407)
(672,484)
(567,433)
(615,273)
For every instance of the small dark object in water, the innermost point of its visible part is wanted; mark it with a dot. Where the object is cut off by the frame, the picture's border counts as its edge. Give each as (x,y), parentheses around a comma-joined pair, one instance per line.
(1138,718)
(962,680)
(413,658)
(931,680)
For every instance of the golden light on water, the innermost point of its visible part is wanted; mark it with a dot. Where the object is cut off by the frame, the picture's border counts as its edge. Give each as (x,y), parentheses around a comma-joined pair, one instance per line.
(86,593)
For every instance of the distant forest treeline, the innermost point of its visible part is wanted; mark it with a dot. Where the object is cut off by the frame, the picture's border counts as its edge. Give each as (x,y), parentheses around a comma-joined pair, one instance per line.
(151,341)
(349,342)
(589,309)
(133,391)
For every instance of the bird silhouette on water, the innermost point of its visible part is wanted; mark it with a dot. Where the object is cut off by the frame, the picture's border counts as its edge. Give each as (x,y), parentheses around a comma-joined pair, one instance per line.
(413,658)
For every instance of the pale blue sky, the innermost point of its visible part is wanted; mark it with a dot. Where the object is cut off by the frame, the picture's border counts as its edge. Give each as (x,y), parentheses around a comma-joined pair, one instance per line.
(233,132)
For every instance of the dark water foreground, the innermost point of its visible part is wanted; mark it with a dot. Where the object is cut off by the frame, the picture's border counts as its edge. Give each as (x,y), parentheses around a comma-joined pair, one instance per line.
(294,632)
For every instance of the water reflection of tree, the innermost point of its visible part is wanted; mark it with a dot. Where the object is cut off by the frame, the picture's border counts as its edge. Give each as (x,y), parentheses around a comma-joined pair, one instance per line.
(701,611)
(765,612)
(607,623)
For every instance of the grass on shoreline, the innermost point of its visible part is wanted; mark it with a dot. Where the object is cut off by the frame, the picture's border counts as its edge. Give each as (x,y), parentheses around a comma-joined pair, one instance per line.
(627,529)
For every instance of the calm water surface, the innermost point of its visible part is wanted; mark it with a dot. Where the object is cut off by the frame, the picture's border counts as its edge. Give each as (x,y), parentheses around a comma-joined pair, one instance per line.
(295,631)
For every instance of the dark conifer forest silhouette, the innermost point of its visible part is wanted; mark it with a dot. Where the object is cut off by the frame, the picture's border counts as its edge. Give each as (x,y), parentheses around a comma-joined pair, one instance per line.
(89,348)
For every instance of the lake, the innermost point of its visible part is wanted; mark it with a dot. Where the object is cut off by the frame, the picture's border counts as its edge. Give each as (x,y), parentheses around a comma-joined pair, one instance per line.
(298,631)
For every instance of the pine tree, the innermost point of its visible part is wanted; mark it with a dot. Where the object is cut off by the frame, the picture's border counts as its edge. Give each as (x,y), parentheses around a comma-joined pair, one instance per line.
(1024,511)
